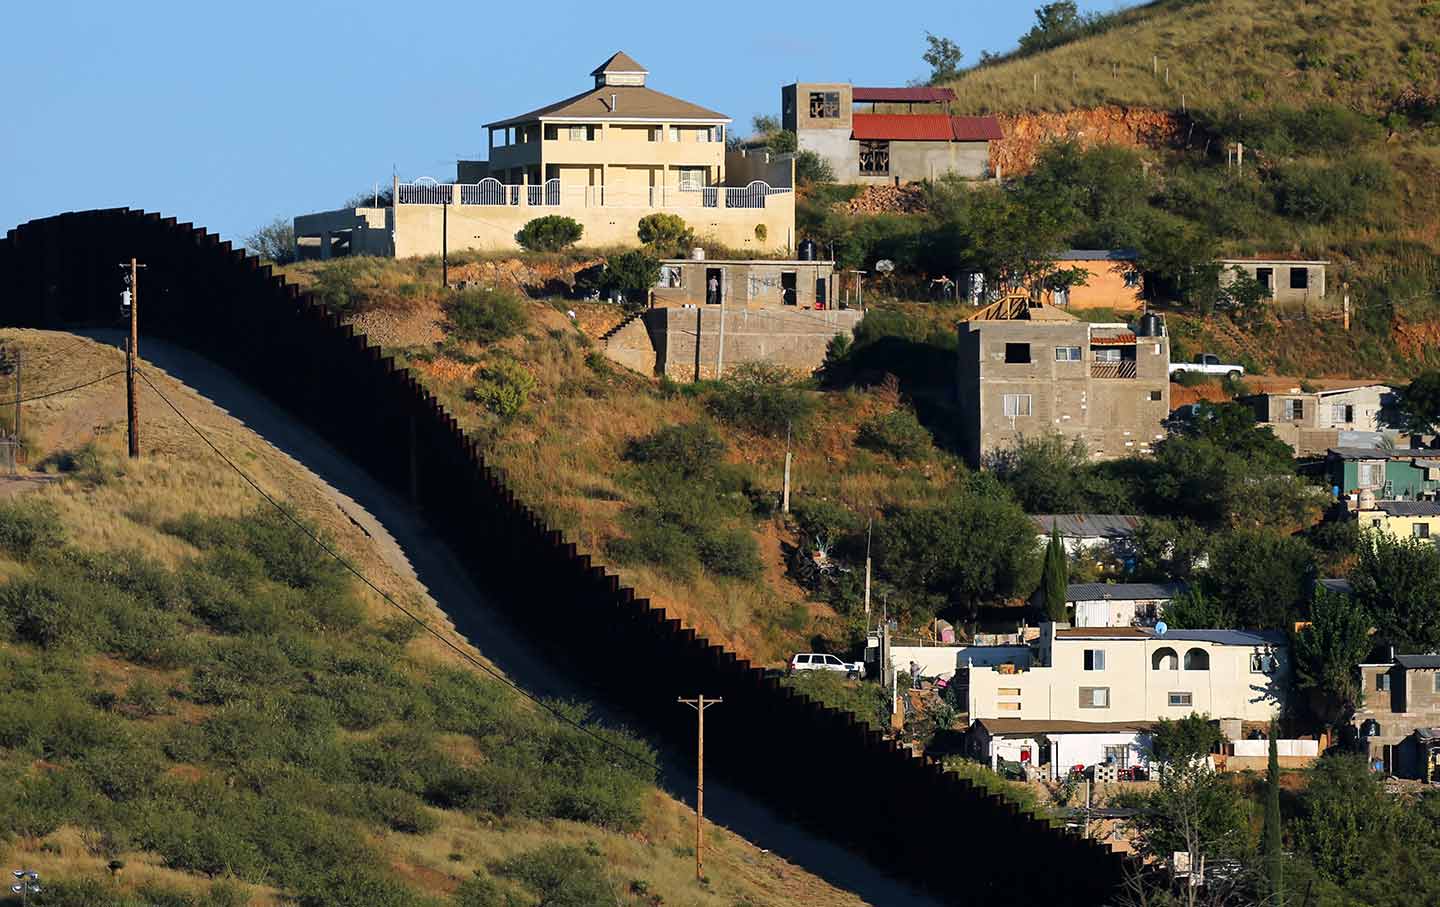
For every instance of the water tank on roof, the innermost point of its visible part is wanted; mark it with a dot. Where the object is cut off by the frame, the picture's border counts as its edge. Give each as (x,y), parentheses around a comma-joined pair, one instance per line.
(1150,326)
(697,254)
(807,250)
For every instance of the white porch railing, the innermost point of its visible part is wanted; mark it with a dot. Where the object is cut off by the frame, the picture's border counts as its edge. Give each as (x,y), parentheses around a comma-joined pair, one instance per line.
(492,192)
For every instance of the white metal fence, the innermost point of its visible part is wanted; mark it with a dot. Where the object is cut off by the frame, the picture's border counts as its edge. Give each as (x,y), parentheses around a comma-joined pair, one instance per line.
(492,192)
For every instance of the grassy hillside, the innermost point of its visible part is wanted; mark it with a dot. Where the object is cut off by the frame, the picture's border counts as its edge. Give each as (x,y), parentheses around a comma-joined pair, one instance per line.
(1370,55)
(198,707)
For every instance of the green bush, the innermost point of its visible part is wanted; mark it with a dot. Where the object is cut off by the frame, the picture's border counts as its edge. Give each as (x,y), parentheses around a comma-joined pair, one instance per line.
(668,548)
(29,526)
(730,552)
(346,283)
(810,168)
(503,387)
(550,233)
(693,449)
(560,876)
(631,274)
(759,398)
(897,433)
(485,315)
(666,234)
(49,611)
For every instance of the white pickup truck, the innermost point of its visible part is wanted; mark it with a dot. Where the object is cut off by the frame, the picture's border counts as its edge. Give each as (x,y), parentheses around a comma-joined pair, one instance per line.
(1208,364)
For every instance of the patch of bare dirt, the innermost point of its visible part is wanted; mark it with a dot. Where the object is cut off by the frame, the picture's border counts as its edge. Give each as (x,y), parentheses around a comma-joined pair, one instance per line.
(908,199)
(1027,133)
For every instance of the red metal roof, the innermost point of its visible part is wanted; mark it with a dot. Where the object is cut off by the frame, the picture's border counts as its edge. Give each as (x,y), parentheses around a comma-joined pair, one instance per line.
(1119,337)
(924,127)
(902,95)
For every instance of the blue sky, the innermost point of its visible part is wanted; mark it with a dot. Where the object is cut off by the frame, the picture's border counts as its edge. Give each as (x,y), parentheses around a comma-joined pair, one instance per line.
(229,115)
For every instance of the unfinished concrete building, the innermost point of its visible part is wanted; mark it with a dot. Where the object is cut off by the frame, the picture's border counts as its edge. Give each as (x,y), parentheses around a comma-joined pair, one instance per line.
(1026,368)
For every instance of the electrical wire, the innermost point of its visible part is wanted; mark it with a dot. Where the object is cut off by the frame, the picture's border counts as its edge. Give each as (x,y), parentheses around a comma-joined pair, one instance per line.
(420,621)
(63,390)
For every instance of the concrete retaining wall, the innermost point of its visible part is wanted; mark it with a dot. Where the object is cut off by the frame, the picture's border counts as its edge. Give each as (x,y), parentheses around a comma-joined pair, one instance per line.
(687,340)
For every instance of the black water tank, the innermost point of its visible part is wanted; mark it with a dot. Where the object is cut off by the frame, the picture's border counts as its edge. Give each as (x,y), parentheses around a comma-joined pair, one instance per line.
(1150,325)
(807,250)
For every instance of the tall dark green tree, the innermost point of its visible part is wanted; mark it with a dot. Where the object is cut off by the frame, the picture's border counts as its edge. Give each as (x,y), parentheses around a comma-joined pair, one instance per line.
(1418,410)
(1274,851)
(1398,581)
(1327,652)
(1055,578)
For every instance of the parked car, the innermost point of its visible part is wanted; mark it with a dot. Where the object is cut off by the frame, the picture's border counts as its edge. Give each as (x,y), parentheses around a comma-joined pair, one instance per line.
(815,661)
(1208,364)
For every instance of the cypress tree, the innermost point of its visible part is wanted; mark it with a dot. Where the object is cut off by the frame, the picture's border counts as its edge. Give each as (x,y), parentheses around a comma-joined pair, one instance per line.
(1054,580)
(1274,856)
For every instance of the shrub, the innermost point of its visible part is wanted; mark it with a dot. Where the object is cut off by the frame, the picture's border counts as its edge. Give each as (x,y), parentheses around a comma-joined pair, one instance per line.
(730,552)
(758,398)
(897,433)
(693,449)
(667,547)
(49,611)
(485,315)
(666,234)
(812,168)
(345,283)
(550,233)
(503,387)
(399,811)
(560,876)
(29,526)
(631,274)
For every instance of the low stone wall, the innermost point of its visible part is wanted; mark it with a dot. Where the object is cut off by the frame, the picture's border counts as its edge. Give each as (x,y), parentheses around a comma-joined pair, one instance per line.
(687,341)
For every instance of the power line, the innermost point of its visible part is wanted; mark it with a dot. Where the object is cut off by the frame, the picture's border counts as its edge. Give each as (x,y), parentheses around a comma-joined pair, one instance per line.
(384,595)
(65,390)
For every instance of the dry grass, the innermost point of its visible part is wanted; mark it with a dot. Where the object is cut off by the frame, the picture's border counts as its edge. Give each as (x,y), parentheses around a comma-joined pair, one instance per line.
(179,475)
(1225,51)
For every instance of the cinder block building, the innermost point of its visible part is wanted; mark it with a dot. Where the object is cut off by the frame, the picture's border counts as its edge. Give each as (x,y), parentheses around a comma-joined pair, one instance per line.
(1288,280)
(1025,368)
(890,142)
(1316,421)
(1399,722)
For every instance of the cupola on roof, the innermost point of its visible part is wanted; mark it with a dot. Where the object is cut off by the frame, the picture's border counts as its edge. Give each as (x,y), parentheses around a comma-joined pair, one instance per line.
(619,69)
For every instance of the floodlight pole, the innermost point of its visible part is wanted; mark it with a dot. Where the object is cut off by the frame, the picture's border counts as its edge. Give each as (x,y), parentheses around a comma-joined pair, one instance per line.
(700,704)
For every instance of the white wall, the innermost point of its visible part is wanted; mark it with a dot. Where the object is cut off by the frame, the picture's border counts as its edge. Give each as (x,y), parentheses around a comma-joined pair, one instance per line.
(1282,747)
(935,660)
(1089,749)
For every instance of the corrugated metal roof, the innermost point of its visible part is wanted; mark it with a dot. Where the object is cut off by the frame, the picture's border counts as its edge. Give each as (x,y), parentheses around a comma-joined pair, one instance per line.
(1423,662)
(1228,637)
(1098,255)
(1102,633)
(923,127)
(1091,592)
(1087,525)
(1380,453)
(1409,508)
(1007,727)
(902,95)
(1340,586)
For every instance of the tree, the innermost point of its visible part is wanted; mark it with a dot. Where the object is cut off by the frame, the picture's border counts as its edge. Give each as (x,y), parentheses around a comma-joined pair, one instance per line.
(1054,22)
(1398,582)
(1232,428)
(763,124)
(1194,610)
(273,242)
(1050,473)
(1345,819)
(974,547)
(1165,550)
(1053,581)
(1274,846)
(560,876)
(550,233)
(1180,741)
(1327,652)
(811,168)
(943,57)
(782,141)
(1244,293)
(665,234)
(631,274)
(1418,410)
(1264,577)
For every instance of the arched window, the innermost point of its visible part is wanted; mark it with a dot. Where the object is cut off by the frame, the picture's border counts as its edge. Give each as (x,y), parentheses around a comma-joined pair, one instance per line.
(1164,659)
(1197,660)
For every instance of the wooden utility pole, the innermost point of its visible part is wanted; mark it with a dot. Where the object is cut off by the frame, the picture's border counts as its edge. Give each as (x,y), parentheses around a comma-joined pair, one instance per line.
(18,397)
(868,527)
(132,351)
(445,242)
(785,493)
(700,704)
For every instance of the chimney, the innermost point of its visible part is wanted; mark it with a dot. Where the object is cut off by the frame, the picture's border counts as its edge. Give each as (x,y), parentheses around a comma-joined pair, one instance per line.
(612,103)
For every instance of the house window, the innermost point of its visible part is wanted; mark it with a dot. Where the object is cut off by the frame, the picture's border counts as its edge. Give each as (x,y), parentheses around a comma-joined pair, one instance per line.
(1437,681)
(1067,354)
(1294,410)
(1155,395)
(1061,297)
(1342,412)
(825,105)
(1094,697)
(1094,659)
(1017,405)
(1106,354)
(875,158)
(653,133)
(1371,475)
(1376,524)
(1382,683)
(1265,277)
(690,179)
(1420,531)
(1132,280)
(1118,755)
(674,133)
(1197,660)
(1017,352)
(1261,663)
(579,133)
(671,276)
(1299,278)
(1164,659)
(1182,699)
(1007,706)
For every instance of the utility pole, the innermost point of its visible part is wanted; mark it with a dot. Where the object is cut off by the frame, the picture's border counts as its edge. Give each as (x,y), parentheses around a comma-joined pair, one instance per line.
(720,347)
(132,350)
(700,704)
(18,397)
(868,526)
(445,242)
(785,495)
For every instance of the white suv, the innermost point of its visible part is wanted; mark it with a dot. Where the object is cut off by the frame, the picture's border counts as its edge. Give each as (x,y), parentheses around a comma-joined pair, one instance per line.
(814,661)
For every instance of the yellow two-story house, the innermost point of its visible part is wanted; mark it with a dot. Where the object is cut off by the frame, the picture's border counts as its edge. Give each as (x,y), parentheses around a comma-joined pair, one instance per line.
(606,157)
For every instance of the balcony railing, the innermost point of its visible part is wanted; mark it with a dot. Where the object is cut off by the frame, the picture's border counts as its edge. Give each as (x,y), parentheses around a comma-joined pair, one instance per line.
(1121,369)
(492,192)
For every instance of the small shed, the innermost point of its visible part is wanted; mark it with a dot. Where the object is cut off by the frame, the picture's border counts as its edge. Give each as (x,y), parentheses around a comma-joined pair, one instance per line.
(747,283)
(1289,280)
(1119,604)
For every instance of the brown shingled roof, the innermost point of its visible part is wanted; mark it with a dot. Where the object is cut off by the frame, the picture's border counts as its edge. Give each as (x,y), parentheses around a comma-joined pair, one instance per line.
(631,102)
(619,61)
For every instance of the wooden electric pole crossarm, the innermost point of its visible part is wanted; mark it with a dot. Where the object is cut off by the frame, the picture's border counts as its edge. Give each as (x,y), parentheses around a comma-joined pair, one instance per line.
(700,704)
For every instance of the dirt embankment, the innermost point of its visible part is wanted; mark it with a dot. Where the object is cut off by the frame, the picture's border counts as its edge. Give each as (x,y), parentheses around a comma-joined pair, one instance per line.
(532,278)
(1135,127)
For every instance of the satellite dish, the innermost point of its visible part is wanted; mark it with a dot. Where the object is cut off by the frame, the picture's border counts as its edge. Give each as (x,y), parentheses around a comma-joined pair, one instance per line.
(1160,628)
(884,266)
